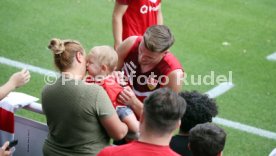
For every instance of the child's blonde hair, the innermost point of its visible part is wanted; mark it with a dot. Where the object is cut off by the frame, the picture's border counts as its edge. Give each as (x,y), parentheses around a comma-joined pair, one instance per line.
(105,55)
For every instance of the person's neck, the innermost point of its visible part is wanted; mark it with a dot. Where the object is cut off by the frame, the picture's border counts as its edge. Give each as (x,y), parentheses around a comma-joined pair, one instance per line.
(148,67)
(72,74)
(161,140)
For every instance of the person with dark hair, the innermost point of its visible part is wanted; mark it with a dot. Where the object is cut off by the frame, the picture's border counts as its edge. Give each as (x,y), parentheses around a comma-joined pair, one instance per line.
(207,140)
(80,116)
(132,18)
(148,65)
(161,116)
(200,109)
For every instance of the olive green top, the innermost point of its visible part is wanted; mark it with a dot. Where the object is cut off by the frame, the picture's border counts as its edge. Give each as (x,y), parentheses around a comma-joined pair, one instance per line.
(72,110)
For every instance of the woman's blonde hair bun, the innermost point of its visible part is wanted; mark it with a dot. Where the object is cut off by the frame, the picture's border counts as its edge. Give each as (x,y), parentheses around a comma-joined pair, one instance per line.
(57,46)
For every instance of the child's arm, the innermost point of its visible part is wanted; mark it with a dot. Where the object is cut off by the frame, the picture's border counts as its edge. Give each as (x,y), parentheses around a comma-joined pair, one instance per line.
(131,122)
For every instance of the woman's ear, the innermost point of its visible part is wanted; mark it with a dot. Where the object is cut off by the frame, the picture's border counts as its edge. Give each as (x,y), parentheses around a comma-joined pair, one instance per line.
(79,57)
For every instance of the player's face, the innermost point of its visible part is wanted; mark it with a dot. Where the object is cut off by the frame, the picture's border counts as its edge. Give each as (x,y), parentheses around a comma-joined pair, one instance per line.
(93,66)
(147,57)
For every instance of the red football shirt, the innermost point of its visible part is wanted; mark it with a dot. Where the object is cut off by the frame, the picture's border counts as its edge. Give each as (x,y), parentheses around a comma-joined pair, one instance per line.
(139,15)
(137,148)
(143,84)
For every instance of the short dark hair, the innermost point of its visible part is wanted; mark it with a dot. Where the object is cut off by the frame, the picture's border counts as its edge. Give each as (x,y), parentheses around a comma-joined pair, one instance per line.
(163,109)
(200,109)
(158,38)
(207,140)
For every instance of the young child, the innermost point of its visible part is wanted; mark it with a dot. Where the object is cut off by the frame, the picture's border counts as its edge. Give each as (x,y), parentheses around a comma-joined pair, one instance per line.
(101,62)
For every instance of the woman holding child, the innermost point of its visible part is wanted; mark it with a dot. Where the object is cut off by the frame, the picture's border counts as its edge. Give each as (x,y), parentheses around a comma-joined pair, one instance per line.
(80,117)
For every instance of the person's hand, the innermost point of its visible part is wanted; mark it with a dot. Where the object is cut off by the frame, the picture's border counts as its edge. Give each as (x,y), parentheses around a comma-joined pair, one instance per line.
(127,97)
(3,151)
(20,78)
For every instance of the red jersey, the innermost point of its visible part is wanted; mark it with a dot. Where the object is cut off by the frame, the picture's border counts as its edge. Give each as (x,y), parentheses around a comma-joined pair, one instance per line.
(112,88)
(139,15)
(143,84)
(137,148)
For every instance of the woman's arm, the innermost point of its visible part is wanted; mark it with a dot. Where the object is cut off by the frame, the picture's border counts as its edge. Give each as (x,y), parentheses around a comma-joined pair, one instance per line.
(16,80)
(114,127)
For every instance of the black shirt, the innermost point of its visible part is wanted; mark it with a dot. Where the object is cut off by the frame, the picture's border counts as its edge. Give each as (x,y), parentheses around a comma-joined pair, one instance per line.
(179,144)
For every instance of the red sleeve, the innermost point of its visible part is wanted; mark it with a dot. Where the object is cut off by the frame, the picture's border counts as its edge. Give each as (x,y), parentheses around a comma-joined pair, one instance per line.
(169,64)
(125,2)
(112,89)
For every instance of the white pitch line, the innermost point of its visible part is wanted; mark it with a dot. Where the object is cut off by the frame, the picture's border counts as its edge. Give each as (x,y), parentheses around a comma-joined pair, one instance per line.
(32,68)
(271,57)
(220,89)
(245,128)
(212,93)
(273,152)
